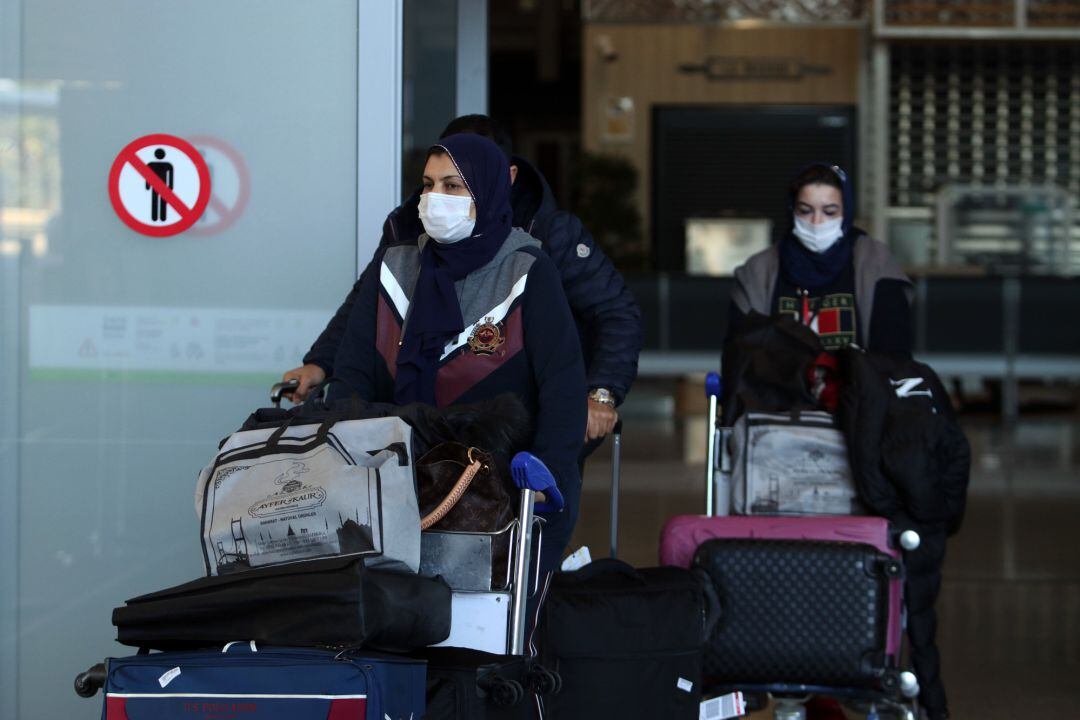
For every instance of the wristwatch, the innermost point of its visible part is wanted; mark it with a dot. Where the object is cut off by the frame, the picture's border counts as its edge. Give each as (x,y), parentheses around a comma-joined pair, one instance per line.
(602,395)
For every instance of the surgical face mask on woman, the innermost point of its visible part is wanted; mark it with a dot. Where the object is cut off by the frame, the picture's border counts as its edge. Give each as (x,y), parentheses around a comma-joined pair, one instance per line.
(818,238)
(819,216)
(446,217)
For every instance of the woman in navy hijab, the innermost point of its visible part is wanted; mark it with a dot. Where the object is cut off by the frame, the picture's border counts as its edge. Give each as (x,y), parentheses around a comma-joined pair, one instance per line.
(827,273)
(471,310)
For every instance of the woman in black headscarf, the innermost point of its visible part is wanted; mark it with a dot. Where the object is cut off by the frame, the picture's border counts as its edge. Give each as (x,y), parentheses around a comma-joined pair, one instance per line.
(831,276)
(472,310)
(827,273)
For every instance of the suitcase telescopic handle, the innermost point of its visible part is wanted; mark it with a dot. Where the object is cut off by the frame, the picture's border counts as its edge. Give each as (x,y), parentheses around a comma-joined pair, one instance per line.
(616,470)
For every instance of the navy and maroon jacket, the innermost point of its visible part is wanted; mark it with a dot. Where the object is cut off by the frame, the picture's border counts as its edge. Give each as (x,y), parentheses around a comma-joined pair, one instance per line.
(519,337)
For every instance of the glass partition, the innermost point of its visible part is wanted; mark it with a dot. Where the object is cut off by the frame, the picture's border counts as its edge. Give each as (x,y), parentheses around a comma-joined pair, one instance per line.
(429,81)
(126,356)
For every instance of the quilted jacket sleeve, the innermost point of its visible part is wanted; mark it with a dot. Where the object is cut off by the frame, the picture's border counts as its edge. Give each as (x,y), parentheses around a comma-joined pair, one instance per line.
(607,316)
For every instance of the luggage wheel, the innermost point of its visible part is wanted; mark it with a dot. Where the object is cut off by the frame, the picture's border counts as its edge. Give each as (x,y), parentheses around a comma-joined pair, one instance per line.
(503,692)
(544,681)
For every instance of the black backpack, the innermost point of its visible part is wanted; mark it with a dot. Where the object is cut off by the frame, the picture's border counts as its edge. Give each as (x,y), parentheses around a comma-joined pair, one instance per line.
(765,367)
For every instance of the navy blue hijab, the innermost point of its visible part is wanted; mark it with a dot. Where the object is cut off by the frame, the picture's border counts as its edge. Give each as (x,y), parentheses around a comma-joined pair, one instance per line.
(805,268)
(435,315)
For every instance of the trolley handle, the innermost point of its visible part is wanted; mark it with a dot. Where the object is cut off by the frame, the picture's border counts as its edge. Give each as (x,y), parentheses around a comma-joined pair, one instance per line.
(530,473)
(713,385)
(89,682)
(713,388)
(283,388)
(531,476)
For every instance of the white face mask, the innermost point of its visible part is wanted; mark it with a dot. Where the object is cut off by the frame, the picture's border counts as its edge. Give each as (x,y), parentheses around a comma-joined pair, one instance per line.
(819,238)
(446,217)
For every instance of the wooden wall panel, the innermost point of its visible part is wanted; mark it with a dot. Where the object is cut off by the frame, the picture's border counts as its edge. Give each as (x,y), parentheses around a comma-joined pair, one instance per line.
(646,69)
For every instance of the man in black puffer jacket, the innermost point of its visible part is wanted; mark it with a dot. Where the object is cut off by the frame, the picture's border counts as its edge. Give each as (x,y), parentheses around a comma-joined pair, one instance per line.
(911,463)
(607,317)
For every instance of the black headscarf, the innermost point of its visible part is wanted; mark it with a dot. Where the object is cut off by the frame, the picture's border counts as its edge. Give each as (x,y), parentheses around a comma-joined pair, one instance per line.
(435,315)
(805,268)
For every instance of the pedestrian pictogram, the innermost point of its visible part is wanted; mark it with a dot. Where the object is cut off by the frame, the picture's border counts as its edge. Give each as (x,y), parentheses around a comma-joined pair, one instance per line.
(159,185)
(231,185)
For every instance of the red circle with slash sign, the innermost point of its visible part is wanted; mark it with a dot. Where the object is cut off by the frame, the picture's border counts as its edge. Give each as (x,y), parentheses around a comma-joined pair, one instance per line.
(154,177)
(232,185)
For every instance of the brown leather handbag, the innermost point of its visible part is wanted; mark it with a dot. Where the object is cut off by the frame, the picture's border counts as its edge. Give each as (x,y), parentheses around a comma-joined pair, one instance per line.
(460,489)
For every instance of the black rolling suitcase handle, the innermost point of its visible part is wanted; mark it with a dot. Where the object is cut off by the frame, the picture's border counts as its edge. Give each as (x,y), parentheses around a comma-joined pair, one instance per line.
(616,450)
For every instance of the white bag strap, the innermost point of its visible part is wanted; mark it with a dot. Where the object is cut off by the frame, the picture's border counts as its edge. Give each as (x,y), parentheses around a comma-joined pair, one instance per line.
(228,645)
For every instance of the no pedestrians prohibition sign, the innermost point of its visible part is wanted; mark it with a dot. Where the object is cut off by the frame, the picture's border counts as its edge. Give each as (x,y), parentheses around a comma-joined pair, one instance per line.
(159,185)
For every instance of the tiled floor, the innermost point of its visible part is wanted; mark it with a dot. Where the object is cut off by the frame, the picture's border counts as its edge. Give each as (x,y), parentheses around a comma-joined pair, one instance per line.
(1009,610)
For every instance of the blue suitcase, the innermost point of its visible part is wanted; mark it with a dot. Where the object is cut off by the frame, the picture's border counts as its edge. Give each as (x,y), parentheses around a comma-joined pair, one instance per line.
(256,683)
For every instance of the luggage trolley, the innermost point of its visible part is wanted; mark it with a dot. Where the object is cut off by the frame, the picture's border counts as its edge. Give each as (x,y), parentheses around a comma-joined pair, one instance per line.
(466,560)
(489,600)
(809,605)
(488,609)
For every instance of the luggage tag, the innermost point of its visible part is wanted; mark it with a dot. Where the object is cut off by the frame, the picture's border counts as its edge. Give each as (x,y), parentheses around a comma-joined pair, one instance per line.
(577,559)
(722,707)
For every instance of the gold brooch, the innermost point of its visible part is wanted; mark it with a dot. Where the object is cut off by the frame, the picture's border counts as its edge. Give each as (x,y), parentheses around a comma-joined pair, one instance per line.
(486,338)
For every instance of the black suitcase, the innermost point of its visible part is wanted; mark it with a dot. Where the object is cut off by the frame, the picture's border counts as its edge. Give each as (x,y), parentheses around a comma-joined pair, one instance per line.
(625,642)
(329,602)
(792,611)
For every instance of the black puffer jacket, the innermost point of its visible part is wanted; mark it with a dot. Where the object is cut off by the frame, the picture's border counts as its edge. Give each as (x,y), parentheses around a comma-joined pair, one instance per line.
(607,317)
(908,453)
(911,463)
